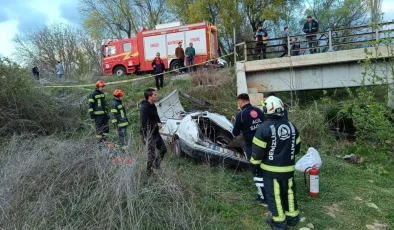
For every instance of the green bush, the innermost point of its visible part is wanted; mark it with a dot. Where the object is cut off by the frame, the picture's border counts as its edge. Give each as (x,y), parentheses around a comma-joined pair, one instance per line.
(27,107)
(313,127)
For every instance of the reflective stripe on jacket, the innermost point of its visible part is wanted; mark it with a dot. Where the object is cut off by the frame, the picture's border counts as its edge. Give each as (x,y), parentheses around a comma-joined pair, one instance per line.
(275,145)
(118,114)
(97,103)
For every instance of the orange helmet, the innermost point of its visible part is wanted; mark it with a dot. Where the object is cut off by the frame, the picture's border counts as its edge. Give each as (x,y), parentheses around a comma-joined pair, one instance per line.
(118,93)
(100,83)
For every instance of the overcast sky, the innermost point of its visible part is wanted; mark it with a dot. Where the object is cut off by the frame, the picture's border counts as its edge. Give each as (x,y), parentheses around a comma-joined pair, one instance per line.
(22,15)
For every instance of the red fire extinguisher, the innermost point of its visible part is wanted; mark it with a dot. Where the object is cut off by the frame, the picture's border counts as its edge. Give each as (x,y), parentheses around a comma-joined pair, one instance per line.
(313,180)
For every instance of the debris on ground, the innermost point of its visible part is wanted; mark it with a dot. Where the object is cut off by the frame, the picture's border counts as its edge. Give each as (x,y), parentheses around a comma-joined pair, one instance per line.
(372,205)
(352,158)
(332,209)
(377,226)
(310,225)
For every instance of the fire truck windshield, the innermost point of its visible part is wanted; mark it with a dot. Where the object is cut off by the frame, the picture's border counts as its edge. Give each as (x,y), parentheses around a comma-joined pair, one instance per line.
(110,50)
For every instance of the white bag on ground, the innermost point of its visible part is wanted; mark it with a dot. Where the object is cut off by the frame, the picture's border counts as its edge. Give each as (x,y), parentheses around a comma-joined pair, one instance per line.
(311,158)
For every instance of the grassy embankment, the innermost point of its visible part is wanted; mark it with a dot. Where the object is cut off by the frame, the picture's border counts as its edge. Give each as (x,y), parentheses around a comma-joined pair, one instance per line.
(61,180)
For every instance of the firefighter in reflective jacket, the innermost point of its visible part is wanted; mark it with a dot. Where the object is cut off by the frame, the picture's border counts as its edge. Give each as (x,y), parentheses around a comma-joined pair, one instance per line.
(119,118)
(98,111)
(247,121)
(275,145)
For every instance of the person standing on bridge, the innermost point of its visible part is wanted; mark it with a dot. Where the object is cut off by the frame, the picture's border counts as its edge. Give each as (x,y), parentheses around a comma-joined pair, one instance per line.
(310,28)
(260,37)
(247,121)
(295,47)
(158,69)
(275,145)
(284,41)
(190,53)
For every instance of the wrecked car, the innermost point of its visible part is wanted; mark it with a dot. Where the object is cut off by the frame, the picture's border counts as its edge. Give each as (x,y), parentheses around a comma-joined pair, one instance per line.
(199,134)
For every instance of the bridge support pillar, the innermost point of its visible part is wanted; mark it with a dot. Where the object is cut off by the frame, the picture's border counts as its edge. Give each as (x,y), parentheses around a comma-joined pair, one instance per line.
(390,98)
(242,86)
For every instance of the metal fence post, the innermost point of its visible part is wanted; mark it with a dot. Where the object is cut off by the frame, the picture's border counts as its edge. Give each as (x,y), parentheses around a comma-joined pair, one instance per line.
(288,46)
(235,47)
(330,40)
(246,52)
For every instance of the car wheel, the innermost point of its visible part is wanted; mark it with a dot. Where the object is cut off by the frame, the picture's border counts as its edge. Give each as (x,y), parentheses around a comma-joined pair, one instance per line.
(120,71)
(177,149)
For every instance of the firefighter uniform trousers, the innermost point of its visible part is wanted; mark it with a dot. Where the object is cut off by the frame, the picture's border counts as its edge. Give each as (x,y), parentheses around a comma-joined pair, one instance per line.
(122,137)
(281,200)
(102,128)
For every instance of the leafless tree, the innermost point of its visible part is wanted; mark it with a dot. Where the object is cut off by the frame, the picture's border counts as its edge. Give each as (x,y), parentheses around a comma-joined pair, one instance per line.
(45,46)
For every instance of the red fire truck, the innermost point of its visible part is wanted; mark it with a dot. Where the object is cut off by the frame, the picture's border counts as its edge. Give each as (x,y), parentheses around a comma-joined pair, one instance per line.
(135,55)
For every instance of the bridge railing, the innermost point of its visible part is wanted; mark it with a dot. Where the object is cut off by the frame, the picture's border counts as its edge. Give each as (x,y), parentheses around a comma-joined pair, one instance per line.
(327,41)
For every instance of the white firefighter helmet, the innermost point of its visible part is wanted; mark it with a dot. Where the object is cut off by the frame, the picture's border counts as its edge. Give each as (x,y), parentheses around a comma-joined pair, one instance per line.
(273,106)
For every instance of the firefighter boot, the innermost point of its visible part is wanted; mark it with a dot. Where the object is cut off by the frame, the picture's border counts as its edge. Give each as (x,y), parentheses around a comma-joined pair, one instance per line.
(292,221)
(276,225)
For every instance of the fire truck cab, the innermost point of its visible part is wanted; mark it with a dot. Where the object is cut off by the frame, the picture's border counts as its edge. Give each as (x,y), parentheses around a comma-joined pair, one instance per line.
(135,55)
(120,57)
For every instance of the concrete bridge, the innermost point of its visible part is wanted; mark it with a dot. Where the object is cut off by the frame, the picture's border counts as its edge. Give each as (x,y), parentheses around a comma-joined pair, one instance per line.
(332,69)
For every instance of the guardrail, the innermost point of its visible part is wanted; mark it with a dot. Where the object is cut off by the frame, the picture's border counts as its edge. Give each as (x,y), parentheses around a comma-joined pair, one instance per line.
(327,41)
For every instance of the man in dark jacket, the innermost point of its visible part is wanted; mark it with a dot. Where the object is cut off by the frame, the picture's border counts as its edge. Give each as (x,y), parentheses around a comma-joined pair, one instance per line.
(36,73)
(275,145)
(247,121)
(150,125)
(98,111)
(158,69)
(119,118)
(310,28)
(260,37)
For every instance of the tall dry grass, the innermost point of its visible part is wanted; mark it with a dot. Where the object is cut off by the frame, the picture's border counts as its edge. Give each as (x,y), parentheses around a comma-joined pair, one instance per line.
(55,184)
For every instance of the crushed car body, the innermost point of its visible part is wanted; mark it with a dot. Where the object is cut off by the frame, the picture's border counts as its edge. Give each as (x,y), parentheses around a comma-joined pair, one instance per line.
(199,134)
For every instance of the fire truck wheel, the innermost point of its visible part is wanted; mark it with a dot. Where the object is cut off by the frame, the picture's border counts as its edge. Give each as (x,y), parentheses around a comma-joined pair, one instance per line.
(120,71)
(174,65)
